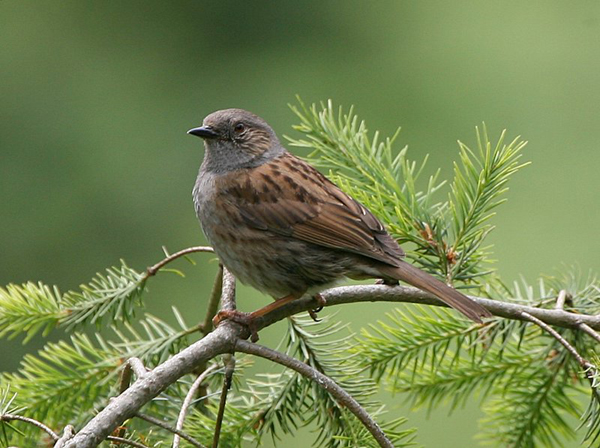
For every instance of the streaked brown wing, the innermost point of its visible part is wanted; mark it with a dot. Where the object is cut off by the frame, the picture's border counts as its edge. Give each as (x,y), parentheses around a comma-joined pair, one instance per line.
(290,197)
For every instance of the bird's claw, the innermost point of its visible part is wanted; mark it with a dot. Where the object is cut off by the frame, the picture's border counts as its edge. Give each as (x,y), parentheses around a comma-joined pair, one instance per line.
(322,302)
(239,317)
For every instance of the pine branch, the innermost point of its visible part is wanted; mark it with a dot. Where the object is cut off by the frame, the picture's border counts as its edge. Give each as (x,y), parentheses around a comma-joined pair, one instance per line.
(367,168)
(531,409)
(116,294)
(59,385)
(476,191)
(31,308)
(415,339)
(300,401)
(281,403)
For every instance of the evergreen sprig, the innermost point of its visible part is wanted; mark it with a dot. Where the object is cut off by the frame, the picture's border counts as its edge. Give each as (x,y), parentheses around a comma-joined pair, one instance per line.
(414,341)
(479,183)
(7,398)
(116,294)
(531,410)
(31,308)
(62,383)
(529,383)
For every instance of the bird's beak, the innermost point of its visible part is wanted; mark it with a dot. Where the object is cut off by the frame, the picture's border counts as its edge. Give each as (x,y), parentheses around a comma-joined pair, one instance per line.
(203,132)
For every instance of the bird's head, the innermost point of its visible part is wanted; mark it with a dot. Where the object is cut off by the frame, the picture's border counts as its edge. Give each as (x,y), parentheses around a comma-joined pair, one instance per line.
(236,139)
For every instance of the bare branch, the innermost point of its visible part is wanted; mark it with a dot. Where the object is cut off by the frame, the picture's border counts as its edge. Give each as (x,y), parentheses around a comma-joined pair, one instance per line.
(560,300)
(152,270)
(188,399)
(229,361)
(31,421)
(322,380)
(132,365)
(137,366)
(582,362)
(403,294)
(590,331)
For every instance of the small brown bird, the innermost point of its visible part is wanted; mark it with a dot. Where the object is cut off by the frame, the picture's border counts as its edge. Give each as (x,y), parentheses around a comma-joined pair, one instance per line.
(282,227)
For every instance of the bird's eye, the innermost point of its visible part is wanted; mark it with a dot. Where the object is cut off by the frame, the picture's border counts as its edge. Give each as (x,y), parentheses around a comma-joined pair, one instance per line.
(239,128)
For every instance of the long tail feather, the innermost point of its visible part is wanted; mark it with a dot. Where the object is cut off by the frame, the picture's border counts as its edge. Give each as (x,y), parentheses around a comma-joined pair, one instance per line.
(422,280)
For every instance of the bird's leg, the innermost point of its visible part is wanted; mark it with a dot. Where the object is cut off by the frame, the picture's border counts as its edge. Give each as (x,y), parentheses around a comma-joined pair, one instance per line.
(321,302)
(247,319)
(278,303)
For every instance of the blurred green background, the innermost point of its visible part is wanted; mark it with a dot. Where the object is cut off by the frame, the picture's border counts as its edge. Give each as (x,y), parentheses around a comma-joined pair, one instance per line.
(96,98)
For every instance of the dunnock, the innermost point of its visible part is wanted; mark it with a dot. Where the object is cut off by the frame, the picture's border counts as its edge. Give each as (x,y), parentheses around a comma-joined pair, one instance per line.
(282,227)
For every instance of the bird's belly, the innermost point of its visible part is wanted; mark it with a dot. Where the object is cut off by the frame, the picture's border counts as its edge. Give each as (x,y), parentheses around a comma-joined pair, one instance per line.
(275,264)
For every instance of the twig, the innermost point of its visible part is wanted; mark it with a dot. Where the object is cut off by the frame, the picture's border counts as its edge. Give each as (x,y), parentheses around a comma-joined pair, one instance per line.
(132,365)
(322,380)
(229,361)
(590,331)
(213,303)
(169,428)
(137,366)
(31,421)
(126,442)
(188,399)
(582,362)
(560,300)
(152,270)
(67,437)
(207,326)
(589,370)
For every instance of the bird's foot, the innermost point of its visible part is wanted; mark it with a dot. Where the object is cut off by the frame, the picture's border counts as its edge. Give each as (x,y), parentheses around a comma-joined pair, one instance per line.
(239,317)
(321,302)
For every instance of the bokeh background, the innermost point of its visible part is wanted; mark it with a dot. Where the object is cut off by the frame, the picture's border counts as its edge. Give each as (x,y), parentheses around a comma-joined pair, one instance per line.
(96,98)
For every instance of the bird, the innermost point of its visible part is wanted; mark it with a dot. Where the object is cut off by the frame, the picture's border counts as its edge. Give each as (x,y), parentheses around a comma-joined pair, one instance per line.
(279,225)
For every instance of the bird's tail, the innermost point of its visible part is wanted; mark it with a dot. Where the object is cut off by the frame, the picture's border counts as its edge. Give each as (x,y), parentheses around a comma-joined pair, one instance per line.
(422,280)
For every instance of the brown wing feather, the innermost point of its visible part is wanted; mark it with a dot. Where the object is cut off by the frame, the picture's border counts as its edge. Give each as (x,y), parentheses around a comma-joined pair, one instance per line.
(289,197)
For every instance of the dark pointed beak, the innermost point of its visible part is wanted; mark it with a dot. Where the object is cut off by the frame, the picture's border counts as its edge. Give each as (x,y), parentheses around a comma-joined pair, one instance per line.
(203,132)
